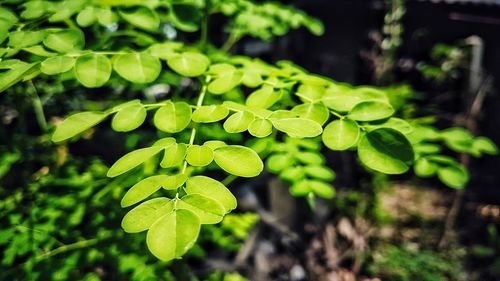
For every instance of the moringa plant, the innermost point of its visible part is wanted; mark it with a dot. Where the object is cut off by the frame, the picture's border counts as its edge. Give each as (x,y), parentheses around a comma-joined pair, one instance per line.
(103,43)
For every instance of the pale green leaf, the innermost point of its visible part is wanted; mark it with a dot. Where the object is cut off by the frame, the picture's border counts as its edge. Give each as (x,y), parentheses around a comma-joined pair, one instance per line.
(385,150)
(424,168)
(260,128)
(76,124)
(370,111)
(129,118)
(65,41)
(319,172)
(142,190)
(199,155)
(92,70)
(57,64)
(238,122)
(23,39)
(213,189)
(214,144)
(87,16)
(173,117)
(455,176)
(341,134)
(298,127)
(174,155)
(485,145)
(264,97)
(173,235)
(208,210)
(189,64)
(210,113)
(16,74)
(278,162)
(137,67)
(141,17)
(132,160)
(238,160)
(174,182)
(312,111)
(144,215)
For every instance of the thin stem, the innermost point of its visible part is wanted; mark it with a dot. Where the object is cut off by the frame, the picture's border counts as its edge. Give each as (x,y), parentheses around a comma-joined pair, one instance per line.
(336,114)
(38,108)
(204,26)
(65,248)
(229,179)
(233,39)
(199,103)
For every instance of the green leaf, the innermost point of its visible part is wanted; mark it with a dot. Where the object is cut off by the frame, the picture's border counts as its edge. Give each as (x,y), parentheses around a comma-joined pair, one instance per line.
(300,188)
(227,77)
(23,39)
(293,174)
(208,210)
(214,144)
(173,235)
(341,100)
(312,111)
(173,117)
(144,215)
(319,172)
(92,70)
(199,155)
(142,190)
(370,111)
(251,78)
(137,67)
(239,160)
(321,189)
(454,176)
(132,160)
(238,122)
(39,50)
(310,93)
(189,64)
(298,127)
(174,155)
(129,118)
(186,16)
(16,74)
(212,189)
(264,97)
(385,150)
(394,123)
(260,128)
(86,17)
(278,162)
(210,113)
(141,17)
(174,182)
(309,157)
(341,134)
(65,41)
(485,145)
(57,64)
(424,168)
(76,124)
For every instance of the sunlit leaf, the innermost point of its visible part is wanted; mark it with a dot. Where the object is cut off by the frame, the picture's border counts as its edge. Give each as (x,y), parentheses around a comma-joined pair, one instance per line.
(213,189)
(174,155)
(173,235)
(76,124)
(189,64)
(129,118)
(199,155)
(208,210)
(144,215)
(142,190)
(238,122)
(341,134)
(238,160)
(260,128)
(65,41)
(92,70)
(173,117)
(137,67)
(210,113)
(57,64)
(132,160)
(298,127)
(370,110)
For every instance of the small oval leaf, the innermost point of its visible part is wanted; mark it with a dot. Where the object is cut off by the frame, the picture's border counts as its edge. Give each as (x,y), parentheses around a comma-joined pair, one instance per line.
(144,215)
(92,70)
(208,210)
(238,160)
(341,134)
(298,127)
(213,189)
(132,160)
(173,117)
(76,124)
(129,118)
(370,111)
(137,67)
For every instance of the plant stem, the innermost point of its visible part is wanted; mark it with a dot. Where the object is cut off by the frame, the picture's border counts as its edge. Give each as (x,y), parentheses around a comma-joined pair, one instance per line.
(204,26)
(38,108)
(65,248)
(199,103)
(233,39)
